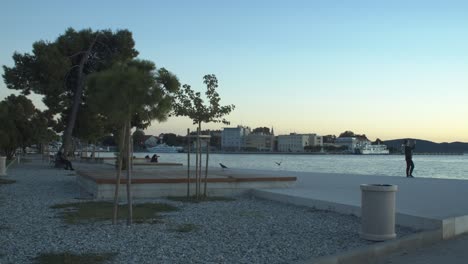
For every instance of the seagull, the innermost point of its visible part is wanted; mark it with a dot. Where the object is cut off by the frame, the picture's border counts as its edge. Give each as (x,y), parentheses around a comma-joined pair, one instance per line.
(278,163)
(223,166)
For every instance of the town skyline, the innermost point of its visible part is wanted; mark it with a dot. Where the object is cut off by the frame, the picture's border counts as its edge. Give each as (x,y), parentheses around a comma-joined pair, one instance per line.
(387,70)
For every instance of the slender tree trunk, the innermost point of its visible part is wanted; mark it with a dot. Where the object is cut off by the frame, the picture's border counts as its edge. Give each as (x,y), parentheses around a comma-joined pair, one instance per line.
(188,163)
(129,176)
(206,168)
(200,159)
(77,98)
(94,152)
(119,172)
(196,168)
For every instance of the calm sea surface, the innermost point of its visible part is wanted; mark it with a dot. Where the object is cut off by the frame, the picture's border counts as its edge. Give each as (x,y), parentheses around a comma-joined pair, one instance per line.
(434,166)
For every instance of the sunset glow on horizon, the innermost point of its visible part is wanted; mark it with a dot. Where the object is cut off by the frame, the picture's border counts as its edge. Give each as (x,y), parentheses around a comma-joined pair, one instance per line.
(385,69)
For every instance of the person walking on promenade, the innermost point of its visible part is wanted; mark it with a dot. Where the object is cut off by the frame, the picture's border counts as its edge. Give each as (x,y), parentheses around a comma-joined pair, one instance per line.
(408,148)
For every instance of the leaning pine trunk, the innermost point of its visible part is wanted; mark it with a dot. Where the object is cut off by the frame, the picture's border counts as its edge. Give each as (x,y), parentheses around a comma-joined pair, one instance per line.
(119,172)
(77,98)
(129,177)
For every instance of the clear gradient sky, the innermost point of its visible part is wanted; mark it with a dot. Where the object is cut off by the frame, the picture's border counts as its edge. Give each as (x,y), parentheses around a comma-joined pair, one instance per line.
(388,69)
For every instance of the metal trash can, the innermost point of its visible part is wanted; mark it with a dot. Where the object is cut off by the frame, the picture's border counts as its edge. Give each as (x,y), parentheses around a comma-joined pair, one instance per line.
(378,211)
(2,166)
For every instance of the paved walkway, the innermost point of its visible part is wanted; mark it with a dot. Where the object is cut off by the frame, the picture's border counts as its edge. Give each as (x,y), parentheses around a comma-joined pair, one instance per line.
(453,251)
(419,201)
(418,198)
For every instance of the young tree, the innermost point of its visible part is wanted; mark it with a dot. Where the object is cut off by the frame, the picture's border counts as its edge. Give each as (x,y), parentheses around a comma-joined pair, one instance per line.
(127,95)
(190,104)
(58,69)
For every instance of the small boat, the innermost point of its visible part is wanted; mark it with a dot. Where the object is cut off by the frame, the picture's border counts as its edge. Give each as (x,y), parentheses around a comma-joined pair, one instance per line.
(164,148)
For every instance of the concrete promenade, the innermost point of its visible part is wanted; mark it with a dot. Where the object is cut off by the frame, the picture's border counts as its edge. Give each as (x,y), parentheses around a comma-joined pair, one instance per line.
(438,205)
(423,203)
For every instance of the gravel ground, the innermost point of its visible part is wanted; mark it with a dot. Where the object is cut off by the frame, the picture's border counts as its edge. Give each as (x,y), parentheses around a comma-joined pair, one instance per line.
(246,230)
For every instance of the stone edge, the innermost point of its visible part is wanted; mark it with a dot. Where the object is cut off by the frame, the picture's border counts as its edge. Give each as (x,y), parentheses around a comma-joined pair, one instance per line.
(372,253)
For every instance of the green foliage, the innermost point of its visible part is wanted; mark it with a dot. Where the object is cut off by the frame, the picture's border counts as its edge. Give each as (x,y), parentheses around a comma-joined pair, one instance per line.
(53,69)
(351,134)
(132,90)
(22,125)
(171,139)
(261,130)
(191,104)
(108,140)
(347,133)
(75,213)
(139,139)
(72,258)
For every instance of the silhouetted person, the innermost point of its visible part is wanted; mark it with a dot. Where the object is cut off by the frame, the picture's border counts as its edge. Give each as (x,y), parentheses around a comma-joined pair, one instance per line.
(147,157)
(408,148)
(63,159)
(154,158)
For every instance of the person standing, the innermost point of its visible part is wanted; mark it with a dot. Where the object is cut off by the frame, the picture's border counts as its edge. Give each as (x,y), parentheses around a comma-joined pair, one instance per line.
(408,148)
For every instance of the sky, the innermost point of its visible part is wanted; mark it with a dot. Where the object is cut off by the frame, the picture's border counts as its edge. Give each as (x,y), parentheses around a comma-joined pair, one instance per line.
(387,69)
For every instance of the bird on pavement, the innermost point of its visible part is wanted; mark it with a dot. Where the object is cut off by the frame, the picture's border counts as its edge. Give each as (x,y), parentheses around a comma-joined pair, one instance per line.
(223,166)
(278,163)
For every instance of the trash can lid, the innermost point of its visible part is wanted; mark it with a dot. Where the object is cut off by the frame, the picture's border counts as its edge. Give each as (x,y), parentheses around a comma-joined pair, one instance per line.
(379,187)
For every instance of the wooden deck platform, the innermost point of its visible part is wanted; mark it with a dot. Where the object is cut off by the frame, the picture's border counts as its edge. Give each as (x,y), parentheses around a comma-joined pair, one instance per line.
(160,181)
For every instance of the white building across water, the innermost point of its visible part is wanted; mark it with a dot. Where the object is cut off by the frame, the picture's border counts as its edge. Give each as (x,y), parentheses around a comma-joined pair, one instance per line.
(233,138)
(297,142)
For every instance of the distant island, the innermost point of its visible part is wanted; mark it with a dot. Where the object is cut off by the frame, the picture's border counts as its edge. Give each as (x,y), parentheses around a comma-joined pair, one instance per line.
(425,146)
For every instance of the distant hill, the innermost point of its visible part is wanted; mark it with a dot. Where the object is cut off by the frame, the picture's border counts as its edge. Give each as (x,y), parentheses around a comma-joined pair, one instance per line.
(425,146)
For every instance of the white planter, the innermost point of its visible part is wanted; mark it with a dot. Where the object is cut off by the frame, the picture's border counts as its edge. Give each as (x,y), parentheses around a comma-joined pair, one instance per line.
(378,211)
(3,166)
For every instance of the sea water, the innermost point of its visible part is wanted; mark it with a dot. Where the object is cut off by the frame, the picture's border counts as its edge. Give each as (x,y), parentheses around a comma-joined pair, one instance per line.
(433,166)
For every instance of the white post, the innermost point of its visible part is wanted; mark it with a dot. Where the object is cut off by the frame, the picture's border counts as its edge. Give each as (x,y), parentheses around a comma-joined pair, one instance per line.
(3,166)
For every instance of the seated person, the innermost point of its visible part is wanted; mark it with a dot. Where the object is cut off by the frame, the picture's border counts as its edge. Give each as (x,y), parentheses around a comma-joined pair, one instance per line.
(61,158)
(154,158)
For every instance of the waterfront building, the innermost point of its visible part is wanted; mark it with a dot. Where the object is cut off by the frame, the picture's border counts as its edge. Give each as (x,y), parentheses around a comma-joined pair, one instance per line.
(350,142)
(296,142)
(233,138)
(315,140)
(259,142)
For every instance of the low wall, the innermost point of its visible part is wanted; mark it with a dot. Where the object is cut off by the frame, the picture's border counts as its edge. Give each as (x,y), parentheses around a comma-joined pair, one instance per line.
(148,188)
(449,227)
